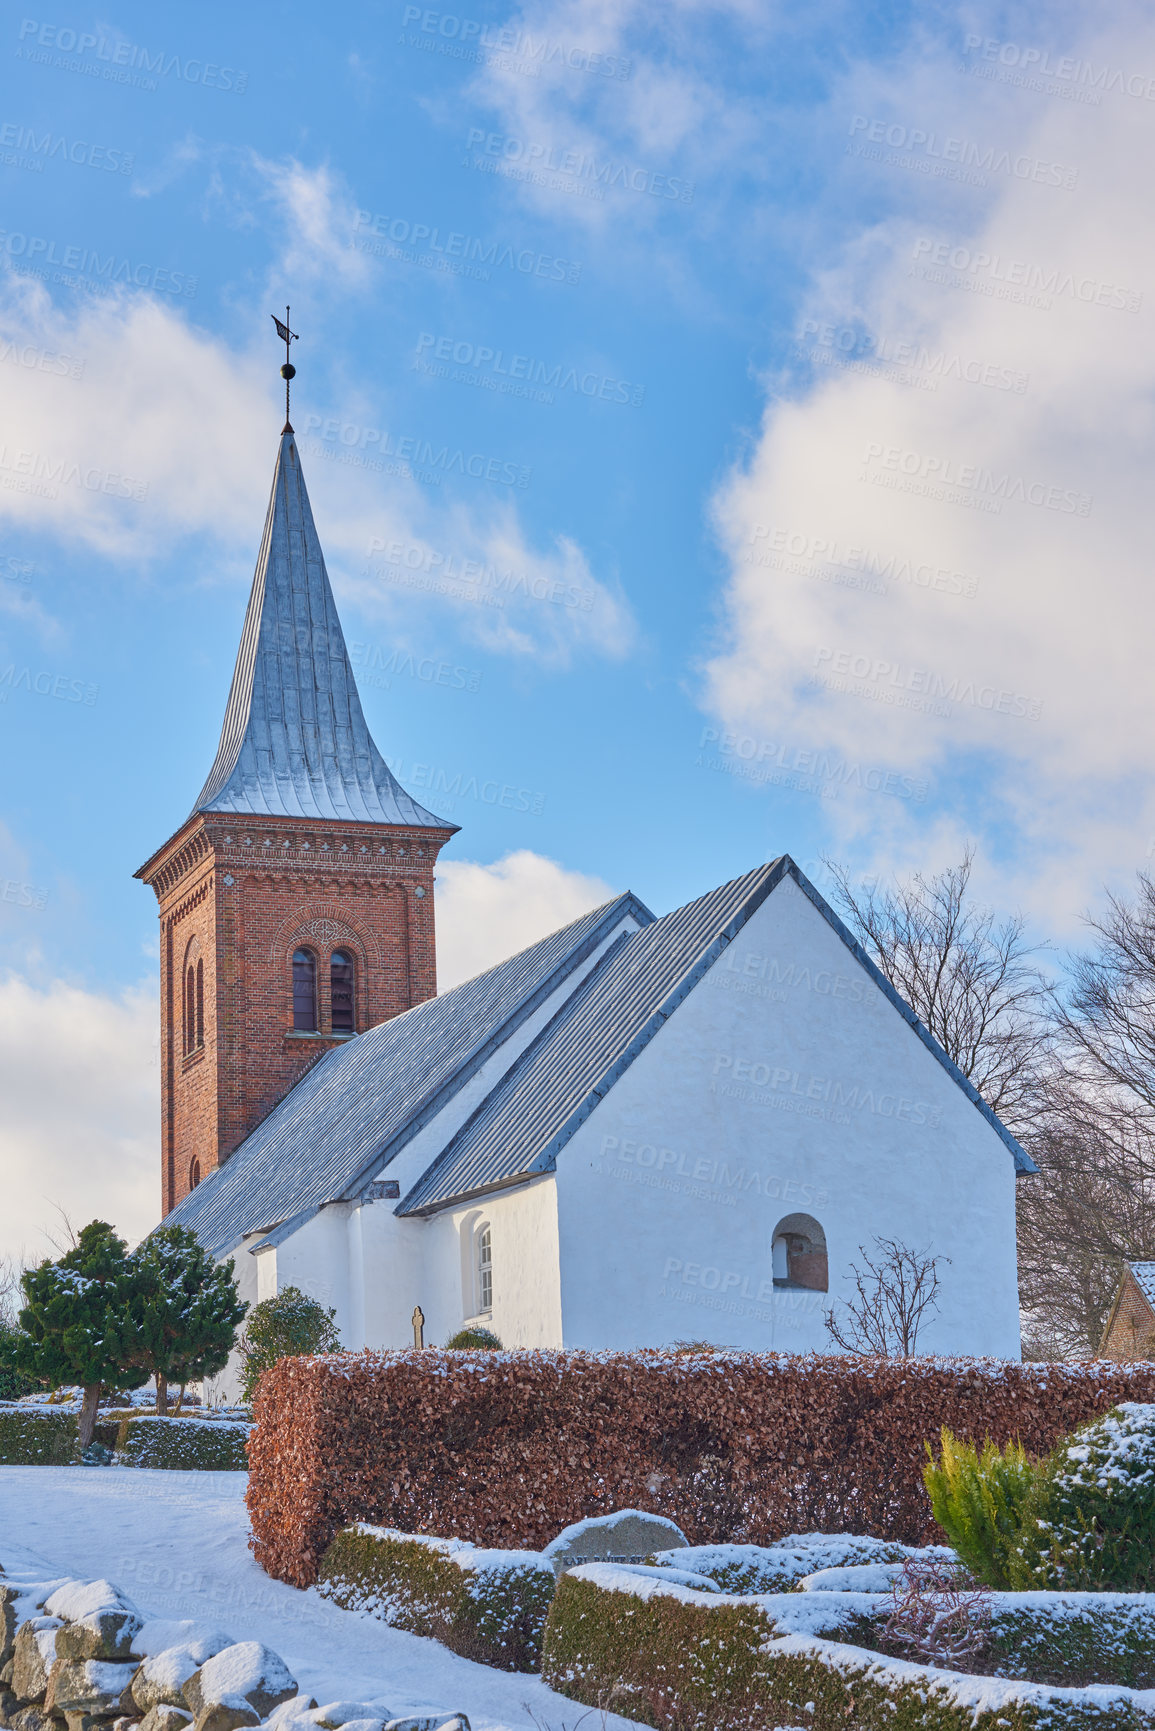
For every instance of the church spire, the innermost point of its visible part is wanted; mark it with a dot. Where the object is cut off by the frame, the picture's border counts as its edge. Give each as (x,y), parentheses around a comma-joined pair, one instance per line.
(295,742)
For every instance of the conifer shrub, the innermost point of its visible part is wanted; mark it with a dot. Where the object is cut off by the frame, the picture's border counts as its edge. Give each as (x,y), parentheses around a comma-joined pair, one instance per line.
(489,1606)
(977,1498)
(287,1326)
(1089,1521)
(465,1338)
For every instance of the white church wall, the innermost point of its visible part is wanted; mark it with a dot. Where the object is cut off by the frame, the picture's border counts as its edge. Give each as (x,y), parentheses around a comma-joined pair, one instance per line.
(526,1292)
(786,1082)
(225,1389)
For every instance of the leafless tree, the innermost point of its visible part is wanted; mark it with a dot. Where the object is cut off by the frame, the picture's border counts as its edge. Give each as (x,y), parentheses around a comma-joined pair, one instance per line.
(893,1294)
(969,978)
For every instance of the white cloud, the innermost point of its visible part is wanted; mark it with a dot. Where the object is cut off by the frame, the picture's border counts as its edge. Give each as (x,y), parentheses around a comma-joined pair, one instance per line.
(488,912)
(80,1128)
(864,462)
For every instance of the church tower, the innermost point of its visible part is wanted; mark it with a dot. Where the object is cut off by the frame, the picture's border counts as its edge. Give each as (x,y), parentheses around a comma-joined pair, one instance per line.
(296,901)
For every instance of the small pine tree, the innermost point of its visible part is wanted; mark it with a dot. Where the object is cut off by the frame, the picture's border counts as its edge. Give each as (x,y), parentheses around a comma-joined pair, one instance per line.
(978,1500)
(287,1326)
(14,1381)
(79,1320)
(189,1311)
(467,1338)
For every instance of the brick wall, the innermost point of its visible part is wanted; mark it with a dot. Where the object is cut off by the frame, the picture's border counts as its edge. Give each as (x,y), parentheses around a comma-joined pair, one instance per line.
(245,895)
(1131,1332)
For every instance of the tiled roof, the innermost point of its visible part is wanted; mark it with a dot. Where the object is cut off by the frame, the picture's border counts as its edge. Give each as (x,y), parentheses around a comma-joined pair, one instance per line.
(295,742)
(323,1141)
(1144,1273)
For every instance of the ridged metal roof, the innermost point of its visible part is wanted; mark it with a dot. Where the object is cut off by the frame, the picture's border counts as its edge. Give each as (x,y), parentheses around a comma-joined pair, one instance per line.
(522,1125)
(364,1099)
(1144,1273)
(295,742)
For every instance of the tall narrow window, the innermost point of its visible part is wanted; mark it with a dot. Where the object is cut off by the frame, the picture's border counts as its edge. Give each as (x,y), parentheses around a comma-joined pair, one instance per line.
(341,991)
(304,992)
(190,1010)
(194,1174)
(484,1270)
(200,1003)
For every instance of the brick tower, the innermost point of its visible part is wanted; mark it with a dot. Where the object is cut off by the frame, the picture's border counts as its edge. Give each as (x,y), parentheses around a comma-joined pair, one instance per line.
(296,902)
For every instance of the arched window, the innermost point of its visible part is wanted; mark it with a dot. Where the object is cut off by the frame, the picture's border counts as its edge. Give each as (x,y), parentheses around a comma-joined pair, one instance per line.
(200,1003)
(341,991)
(484,1265)
(304,992)
(190,1010)
(799,1253)
(194,1174)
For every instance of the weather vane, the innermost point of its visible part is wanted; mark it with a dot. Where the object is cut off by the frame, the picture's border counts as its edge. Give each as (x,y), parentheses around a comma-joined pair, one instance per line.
(288,371)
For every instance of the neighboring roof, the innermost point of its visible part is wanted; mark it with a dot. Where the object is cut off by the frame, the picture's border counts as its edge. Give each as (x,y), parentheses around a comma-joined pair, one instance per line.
(1144,1273)
(528,1118)
(326,1138)
(295,742)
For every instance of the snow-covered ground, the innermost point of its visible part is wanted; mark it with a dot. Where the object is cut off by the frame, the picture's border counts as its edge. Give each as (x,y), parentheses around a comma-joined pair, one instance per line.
(177,1544)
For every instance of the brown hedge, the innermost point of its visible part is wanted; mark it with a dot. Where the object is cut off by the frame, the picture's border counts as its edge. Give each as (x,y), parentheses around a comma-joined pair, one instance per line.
(507,1448)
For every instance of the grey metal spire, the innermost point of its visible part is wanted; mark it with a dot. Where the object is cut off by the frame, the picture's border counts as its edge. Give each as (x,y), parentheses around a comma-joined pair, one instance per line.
(295,741)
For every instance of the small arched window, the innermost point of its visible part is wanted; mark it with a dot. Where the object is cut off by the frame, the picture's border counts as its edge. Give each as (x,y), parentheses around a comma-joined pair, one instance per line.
(193,1005)
(341,991)
(484,1243)
(190,1011)
(798,1249)
(194,1174)
(200,1003)
(304,992)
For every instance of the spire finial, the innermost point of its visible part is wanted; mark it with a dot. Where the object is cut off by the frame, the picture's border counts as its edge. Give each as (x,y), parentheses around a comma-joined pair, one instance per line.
(288,371)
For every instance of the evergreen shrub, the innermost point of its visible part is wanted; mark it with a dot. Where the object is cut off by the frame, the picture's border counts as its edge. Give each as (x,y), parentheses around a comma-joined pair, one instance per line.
(978,1501)
(1089,1521)
(37,1437)
(287,1326)
(473,1337)
(182,1444)
(489,1606)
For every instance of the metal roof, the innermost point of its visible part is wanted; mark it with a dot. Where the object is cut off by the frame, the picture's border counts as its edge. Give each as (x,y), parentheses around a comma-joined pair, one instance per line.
(527,1119)
(295,742)
(364,1099)
(1144,1273)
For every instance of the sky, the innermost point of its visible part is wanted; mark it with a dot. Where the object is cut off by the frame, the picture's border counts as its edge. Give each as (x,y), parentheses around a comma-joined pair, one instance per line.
(727,424)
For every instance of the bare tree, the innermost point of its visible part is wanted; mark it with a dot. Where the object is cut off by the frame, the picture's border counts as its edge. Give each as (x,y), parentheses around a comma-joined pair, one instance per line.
(968,977)
(892,1296)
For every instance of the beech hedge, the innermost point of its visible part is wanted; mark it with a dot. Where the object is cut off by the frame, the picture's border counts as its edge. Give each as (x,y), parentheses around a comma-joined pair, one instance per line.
(506,1448)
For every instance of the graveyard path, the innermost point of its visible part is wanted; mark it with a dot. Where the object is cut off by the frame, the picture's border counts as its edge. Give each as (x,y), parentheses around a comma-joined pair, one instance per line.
(177,1544)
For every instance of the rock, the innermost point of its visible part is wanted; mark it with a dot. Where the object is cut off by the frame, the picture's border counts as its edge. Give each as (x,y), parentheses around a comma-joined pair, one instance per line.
(246,1671)
(32,1718)
(103,1634)
(164,1717)
(6,1673)
(8,1620)
(226,1715)
(92,1686)
(160,1680)
(430,1722)
(338,1713)
(9,1703)
(90,1721)
(629,1536)
(34,1651)
(76,1600)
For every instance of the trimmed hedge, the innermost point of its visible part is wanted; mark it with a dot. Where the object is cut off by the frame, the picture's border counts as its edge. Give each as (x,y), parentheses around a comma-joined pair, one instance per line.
(685,1661)
(506,1448)
(37,1437)
(1075,1638)
(182,1444)
(486,1605)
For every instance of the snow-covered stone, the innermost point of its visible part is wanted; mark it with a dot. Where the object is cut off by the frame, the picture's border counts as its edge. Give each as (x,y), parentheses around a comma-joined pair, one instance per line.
(87,1686)
(627,1536)
(33,1653)
(854,1578)
(230,1715)
(247,1672)
(158,1634)
(161,1679)
(79,1599)
(337,1713)
(104,1634)
(164,1717)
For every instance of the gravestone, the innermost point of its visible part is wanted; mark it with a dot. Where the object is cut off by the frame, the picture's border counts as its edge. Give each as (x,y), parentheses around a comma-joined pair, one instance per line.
(628,1536)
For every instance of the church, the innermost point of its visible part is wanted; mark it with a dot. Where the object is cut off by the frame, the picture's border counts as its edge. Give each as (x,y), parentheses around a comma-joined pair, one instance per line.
(640,1130)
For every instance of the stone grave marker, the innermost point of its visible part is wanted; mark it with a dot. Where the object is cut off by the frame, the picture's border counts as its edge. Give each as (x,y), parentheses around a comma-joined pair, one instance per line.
(627,1536)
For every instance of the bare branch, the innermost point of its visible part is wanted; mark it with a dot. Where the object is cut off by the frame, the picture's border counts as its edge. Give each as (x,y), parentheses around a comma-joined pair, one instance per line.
(892,1296)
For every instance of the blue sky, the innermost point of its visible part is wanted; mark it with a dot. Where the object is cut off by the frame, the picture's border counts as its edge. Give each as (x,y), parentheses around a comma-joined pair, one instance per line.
(729,427)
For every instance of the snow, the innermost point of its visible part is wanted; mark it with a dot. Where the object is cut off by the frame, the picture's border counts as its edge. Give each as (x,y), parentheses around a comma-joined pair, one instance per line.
(160,1634)
(569,1536)
(459,1551)
(855,1578)
(108,1678)
(178,1542)
(242,1669)
(80,1599)
(171,1669)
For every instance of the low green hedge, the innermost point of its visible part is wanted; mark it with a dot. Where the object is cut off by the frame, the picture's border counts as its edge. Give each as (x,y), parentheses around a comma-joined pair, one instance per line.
(489,1606)
(182,1444)
(1075,1638)
(686,1661)
(37,1437)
